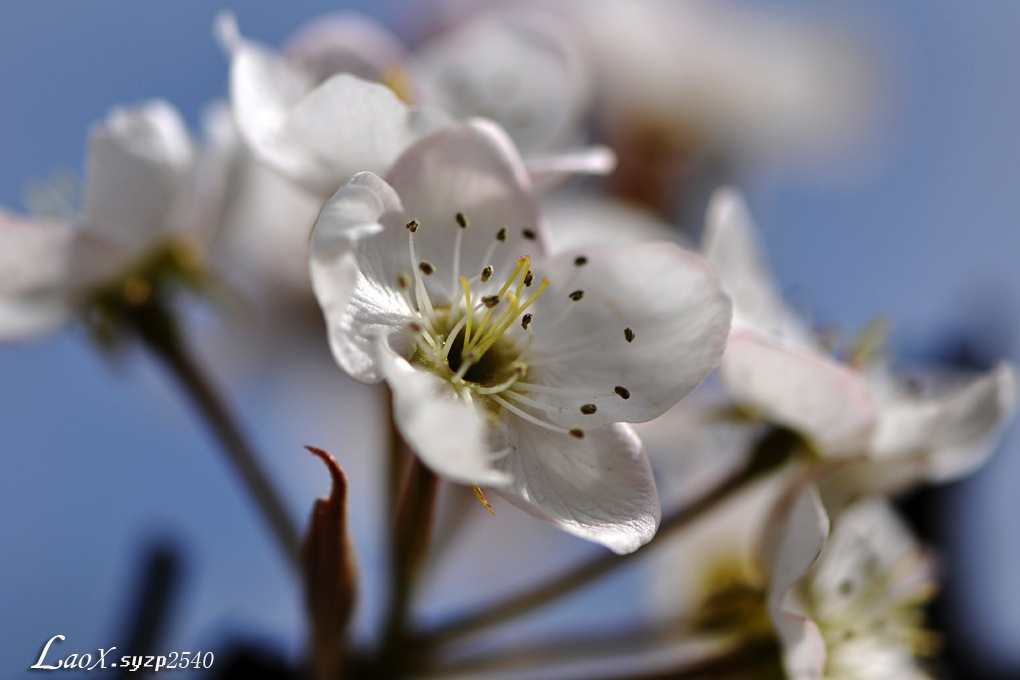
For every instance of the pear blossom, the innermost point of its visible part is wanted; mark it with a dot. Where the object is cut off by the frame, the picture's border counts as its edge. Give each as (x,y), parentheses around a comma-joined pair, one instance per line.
(140,214)
(773,363)
(897,429)
(263,220)
(846,605)
(336,101)
(510,367)
(933,426)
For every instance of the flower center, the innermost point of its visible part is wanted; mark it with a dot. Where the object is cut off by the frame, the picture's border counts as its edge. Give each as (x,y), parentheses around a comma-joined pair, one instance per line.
(875,611)
(469,342)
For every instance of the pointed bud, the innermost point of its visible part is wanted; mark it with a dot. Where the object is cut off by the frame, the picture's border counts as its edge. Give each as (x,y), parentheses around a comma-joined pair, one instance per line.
(328,569)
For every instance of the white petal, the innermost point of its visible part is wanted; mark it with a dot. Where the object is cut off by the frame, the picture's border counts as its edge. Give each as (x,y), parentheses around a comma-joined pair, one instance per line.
(137,176)
(520,69)
(447,433)
(822,399)
(579,221)
(663,297)
(356,291)
(472,169)
(695,447)
(870,549)
(731,244)
(28,317)
(548,172)
(34,256)
(345,42)
(34,261)
(600,488)
(958,428)
(261,220)
(347,125)
(797,540)
(317,135)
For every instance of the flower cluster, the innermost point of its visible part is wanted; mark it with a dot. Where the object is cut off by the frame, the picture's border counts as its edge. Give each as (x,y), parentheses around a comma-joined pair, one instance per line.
(536,312)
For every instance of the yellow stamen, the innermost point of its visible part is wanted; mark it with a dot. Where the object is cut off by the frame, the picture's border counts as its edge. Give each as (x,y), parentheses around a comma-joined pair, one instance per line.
(467,301)
(481,499)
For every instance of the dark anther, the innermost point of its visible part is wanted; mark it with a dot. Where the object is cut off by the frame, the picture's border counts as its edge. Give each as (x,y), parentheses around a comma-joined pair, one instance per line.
(462,221)
(588,409)
(525,321)
(413,225)
(580,261)
(486,273)
(528,234)
(622,391)
(577,434)
(426,268)
(501,234)
(577,295)
(629,334)
(403,281)
(528,278)
(490,301)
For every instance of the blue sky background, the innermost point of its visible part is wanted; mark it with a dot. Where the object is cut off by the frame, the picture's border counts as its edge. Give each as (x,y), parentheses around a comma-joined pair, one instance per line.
(97,459)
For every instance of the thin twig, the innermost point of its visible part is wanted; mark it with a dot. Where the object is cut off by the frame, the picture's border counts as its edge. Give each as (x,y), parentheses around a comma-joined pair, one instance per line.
(578,576)
(156,330)
(412,533)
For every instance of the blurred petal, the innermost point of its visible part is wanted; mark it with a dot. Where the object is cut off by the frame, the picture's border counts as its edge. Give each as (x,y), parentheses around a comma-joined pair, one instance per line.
(34,260)
(799,539)
(731,244)
(137,176)
(520,69)
(734,77)
(818,397)
(547,172)
(345,42)
(694,447)
(316,135)
(959,426)
(600,487)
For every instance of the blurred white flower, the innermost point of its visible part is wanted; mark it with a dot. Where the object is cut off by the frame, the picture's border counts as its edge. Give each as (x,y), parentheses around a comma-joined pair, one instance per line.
(510,367)
(725,76)
(312,114)
(773,364)
(853,613)
(932,427)
(906,429)
(141,213)
(263,219)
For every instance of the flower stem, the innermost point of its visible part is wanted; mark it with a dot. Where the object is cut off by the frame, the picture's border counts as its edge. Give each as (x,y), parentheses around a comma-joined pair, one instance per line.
(771,451)
(154,326)
(412,533)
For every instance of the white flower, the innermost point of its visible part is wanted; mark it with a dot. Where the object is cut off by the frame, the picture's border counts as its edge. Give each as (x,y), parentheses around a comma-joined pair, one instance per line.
(737,79)
(903,429)
(509,367)
(309,115)
(932,427)
(854,613)
(773,364)
(138,208)
(263,220)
